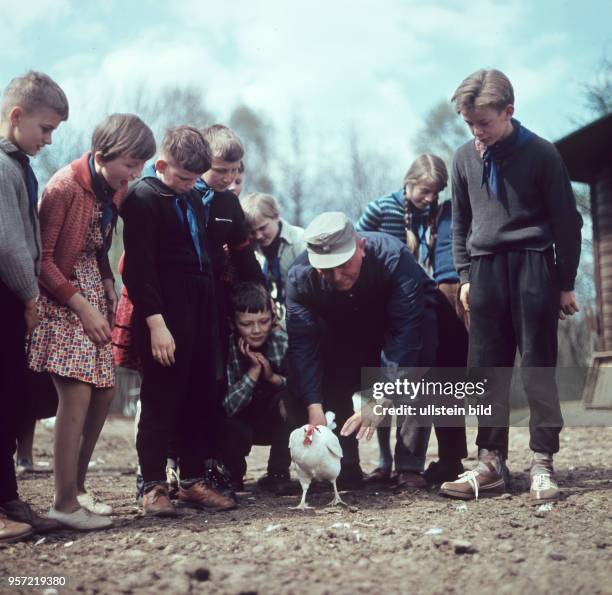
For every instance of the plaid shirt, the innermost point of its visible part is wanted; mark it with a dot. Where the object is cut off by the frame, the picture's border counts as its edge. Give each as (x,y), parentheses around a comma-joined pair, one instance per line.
(241,386)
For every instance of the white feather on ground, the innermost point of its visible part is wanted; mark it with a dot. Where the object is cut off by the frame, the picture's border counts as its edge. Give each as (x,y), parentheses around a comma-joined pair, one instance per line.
(316,454)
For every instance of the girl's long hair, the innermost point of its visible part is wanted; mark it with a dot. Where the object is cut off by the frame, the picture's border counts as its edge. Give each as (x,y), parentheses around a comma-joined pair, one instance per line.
(425,168)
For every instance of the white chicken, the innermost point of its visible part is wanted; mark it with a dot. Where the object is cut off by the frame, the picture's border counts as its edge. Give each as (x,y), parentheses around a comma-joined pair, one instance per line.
(316,453)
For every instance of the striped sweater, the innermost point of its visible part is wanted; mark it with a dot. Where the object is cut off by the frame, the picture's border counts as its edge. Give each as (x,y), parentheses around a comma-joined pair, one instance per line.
(386,214)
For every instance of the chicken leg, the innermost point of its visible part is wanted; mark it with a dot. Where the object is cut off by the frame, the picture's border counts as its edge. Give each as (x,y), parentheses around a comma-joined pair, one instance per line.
(337,500)
(302,505)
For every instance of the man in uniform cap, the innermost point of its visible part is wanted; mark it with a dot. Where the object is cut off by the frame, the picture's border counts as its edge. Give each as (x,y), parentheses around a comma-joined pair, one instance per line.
(358,300)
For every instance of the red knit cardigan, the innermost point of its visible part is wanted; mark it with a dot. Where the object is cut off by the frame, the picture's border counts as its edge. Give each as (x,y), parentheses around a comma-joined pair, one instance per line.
(65,213)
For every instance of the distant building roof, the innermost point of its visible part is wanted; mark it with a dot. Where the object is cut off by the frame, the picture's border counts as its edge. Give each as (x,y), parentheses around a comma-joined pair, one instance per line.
(588,149)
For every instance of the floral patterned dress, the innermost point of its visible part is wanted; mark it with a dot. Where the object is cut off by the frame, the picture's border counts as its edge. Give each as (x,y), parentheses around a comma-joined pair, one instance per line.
(59,344)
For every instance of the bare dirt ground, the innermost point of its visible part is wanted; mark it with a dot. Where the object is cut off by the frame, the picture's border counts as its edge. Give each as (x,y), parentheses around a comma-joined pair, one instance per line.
(387,542)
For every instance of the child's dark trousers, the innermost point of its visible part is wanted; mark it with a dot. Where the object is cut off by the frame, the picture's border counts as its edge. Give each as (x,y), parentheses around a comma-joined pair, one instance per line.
(12,386)
(258,424)
(514,302)
(181,404)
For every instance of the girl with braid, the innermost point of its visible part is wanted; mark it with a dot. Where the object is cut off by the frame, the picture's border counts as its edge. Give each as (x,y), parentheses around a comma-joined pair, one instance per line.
(414,216)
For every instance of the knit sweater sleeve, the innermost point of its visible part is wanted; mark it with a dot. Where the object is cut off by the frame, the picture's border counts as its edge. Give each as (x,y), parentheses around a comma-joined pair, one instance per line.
(54,205)
(140,240)
(462,219)
(554,183)
(371,218)
(16,265)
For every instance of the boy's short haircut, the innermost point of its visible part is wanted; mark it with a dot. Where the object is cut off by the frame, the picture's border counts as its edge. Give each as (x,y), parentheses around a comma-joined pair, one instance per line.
(123,135)
(32,91)
(482,89)
(256,205)
(250,298)
(224,143)
(186,147)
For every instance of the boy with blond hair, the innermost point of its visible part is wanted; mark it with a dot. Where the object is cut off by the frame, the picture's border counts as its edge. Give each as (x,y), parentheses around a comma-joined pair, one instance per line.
(32,107)
(170,280)
(227,244)
(516,242)
(226,228)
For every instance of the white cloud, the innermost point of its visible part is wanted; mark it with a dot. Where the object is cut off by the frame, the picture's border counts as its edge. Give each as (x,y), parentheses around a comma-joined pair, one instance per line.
(19,17)
(376,65)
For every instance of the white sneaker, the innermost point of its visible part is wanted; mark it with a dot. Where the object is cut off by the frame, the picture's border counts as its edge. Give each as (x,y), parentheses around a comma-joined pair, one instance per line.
(88,502)
(544,486)
(81,519)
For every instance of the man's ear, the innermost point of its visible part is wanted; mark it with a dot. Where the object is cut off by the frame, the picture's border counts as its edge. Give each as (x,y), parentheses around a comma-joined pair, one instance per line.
(361,242)
(509,110)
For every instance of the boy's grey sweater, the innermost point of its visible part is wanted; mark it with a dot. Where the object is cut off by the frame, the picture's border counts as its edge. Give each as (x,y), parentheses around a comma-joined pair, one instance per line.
(19,228)
(540,209)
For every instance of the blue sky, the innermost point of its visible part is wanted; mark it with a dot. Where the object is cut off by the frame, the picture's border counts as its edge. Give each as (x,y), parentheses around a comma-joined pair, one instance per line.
(376,64)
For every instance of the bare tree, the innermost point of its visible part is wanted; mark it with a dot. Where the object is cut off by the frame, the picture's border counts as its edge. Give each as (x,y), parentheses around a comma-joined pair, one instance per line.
(68,144)
(170,106)
(442,132)
(369,176)
(598,94)
(293,171)
(256,134)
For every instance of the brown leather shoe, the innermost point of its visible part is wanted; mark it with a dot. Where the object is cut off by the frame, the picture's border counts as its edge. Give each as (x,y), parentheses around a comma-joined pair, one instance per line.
(409,480)
(378,476)
(201,495)
(21,512)
(485,479)
(156,502)
(11,531)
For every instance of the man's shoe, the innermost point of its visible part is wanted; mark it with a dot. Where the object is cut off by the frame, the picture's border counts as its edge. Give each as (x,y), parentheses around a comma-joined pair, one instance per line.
(20,511)
(156,502)
(485,479)
(350,478)
(81,519)
(544,487)
(201,495)
(443,470)
(88,502)
(12,531)
(378,476)
(409,480)
(279,484)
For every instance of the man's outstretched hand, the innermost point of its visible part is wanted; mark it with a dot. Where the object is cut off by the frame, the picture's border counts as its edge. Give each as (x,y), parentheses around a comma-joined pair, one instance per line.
(364,421)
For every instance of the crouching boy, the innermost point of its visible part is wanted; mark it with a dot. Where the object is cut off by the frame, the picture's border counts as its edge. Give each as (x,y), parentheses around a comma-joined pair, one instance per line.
(256,386)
